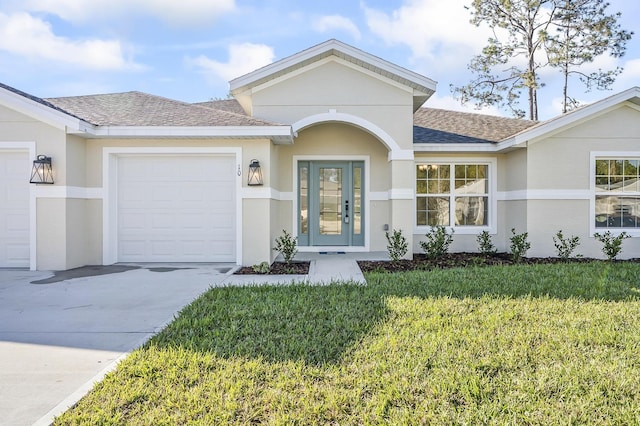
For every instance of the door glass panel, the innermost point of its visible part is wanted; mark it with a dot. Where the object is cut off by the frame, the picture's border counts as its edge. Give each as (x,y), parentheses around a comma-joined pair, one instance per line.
(357,200)
(304,200)
(330,207)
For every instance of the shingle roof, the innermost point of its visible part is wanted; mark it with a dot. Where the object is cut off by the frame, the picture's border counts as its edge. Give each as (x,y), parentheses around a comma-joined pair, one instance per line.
(142,109)
(432,125)
(229,105)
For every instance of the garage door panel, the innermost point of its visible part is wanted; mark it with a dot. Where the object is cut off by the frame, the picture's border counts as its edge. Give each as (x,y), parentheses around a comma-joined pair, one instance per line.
(176,209)
(14,209)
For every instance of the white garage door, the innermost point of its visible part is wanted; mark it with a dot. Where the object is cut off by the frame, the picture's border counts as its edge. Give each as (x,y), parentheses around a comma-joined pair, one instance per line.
(176,209)
(14,209)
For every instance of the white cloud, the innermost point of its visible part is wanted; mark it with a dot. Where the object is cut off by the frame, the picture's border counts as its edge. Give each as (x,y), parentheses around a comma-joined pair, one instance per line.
(451,104)
(336,23)
(437,30)
(243,58)
(24,35)
(177,13)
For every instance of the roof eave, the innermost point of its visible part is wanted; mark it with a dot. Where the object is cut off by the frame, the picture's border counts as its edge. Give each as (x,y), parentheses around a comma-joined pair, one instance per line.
(278,134)
(455,147)
(43,113)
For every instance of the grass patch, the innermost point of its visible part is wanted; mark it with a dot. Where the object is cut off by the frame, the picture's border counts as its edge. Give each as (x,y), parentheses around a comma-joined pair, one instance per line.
(530,344)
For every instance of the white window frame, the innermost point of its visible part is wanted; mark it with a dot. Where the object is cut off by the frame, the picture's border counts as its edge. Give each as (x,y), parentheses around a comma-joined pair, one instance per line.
(606,155)
(492,164)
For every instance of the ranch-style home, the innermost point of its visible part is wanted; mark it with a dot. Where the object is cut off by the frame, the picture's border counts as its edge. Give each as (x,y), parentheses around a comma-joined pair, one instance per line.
(332,144)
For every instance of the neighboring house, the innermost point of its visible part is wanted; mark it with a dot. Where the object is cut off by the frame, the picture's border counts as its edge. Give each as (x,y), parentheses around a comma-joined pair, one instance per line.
(346,152)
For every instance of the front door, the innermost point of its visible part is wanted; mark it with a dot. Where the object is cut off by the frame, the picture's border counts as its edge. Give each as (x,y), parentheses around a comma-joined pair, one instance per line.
(330,203)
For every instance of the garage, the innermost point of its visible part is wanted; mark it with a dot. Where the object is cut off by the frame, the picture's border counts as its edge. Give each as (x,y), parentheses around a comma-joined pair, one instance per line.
(14,209)
(176,208)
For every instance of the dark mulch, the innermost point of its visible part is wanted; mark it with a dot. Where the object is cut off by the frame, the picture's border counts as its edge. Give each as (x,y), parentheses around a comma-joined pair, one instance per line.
(278,268)
(454,260)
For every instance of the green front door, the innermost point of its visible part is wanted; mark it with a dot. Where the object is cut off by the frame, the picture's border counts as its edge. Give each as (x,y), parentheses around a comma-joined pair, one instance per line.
(330,203)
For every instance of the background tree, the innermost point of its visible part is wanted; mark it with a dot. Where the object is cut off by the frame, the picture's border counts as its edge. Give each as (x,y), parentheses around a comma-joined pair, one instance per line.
(519,32)
(532,34)
(583,32)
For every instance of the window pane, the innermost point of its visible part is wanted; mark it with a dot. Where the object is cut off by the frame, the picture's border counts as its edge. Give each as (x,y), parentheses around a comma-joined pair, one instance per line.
(357,200)
(617,212)
(422,218)
(602,167)
(472,211)
(437,211)
(421,171)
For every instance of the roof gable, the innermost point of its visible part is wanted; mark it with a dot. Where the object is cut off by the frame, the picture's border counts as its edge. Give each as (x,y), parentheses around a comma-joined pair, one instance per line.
(422,86)
(574,118)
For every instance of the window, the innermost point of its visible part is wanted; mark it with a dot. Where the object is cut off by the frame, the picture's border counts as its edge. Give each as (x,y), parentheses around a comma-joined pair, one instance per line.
(617,193)
(455,194)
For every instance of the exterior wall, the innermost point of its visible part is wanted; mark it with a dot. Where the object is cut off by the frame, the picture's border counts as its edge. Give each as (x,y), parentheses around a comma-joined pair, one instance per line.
(559,180)
(336,84)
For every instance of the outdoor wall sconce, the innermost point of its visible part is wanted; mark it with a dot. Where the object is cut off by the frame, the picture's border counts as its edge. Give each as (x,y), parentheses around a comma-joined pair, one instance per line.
(255,173)
(42,171)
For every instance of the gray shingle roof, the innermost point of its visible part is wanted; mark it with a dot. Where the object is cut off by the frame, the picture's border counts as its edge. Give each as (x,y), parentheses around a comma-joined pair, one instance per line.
(432,125)
(142,109)
(229,105)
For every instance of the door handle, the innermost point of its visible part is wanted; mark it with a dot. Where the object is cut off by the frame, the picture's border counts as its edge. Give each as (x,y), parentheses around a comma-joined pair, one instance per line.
(346,211)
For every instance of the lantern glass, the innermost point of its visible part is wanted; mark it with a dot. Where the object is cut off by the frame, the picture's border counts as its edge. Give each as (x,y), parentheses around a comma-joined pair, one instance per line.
(42,172)
(255,173)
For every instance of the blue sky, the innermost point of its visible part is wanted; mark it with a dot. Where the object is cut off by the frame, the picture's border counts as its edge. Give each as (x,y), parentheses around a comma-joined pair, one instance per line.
(189,49)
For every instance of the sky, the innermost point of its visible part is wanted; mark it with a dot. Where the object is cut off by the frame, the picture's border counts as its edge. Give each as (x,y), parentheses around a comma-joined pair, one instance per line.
(188,50)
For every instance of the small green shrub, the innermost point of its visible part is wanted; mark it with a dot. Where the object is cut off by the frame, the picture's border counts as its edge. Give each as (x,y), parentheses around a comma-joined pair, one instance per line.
(519,245)
(612,246)
(396,245)
(261,268)
(286,245)
(565,246)
(485,244)
(438,242)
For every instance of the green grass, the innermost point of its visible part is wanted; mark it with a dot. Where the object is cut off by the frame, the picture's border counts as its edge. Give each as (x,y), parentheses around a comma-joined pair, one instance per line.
(541,344)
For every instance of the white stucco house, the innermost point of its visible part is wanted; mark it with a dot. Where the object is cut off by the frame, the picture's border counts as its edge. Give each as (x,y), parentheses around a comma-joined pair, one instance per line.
(346,150)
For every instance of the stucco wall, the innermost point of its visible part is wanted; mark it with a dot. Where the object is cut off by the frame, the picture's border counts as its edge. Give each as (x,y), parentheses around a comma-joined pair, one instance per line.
(336,84)
(559,175)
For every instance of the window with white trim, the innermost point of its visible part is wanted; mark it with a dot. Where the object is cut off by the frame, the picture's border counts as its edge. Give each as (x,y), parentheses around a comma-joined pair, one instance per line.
(617,193)
(451,194)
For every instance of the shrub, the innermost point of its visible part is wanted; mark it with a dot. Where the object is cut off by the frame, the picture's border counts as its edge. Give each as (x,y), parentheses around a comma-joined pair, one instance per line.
(612,246)
(261,268)
(396,245)
(438,242)
(519,245)
(287,246)
(485,244)
(565,246)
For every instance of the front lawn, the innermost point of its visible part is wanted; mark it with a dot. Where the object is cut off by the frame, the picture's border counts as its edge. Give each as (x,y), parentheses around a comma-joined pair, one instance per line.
(527,344)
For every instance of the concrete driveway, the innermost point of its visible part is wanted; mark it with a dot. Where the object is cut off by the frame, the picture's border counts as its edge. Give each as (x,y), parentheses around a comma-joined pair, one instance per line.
(60,333)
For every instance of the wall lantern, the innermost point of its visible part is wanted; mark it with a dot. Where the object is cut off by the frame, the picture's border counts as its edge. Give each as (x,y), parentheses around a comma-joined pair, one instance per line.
(42,172)
(255,173)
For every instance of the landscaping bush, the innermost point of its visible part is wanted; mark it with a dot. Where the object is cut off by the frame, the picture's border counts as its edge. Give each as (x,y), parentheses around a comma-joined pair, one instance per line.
(612,246)
(286,245)
(396,245)
(519,245)
(485,244)
(565,246)
(438,242)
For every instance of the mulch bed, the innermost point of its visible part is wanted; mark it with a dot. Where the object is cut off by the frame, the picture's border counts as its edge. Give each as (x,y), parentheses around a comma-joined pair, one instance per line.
(278,268)
(455,260)
(421,262)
